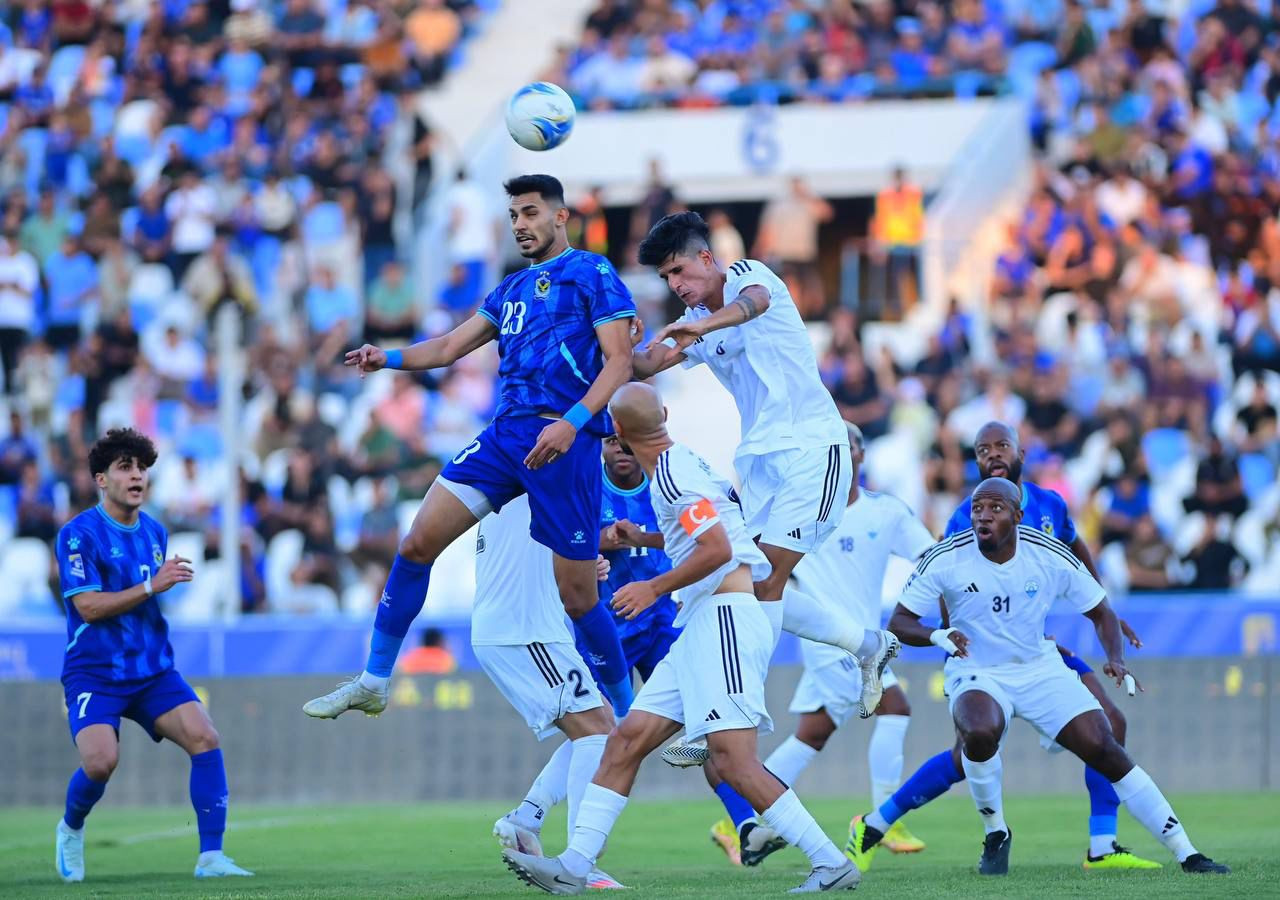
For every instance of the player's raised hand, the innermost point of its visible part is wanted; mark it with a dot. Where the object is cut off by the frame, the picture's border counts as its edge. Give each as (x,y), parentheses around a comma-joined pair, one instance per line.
(1115,668)
(632,599)
(175,570)
(683,333)
(366,359)
(1130,635)
(553,442)
(628,532)
(602,568)
(637,331)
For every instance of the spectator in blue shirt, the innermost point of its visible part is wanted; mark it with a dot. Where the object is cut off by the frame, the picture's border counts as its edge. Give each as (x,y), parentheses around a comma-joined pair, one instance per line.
(71,279)
(911,64)
(1130,501)
(16,450)
(331,306)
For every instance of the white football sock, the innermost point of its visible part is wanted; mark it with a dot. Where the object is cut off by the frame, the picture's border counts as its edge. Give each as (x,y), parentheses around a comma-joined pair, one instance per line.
(773,612)
(792,822)
(790,759)
(985,786)
(807,617)
(1145,803)
(586,759)
(548,789)
(1101,844)
(884,756)
(374,682)
(597,813)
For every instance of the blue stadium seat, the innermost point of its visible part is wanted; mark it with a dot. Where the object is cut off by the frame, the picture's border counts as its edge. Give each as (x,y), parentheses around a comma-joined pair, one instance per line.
(1163,449)
(1257,474)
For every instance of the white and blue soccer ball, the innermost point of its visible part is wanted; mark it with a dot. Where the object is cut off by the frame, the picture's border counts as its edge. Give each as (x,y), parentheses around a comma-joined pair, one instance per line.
(540,116)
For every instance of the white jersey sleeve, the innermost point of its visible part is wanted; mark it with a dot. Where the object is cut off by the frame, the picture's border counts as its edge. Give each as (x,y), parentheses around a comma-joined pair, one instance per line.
(689,499)
(910,538)
(1078,589)
(925,585)
(517,601)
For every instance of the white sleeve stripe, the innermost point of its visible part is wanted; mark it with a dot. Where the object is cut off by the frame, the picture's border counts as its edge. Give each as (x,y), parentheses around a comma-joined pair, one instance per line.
(666,484)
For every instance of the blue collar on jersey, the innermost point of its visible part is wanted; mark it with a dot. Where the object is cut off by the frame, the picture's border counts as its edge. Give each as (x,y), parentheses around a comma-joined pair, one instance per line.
(626,492)
(1026,498)
(114,524)
(534,265)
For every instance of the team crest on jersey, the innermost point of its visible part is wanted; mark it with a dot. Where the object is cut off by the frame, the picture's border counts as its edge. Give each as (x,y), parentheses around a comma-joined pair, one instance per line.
(1032,588)
(157,555)
(542,287)
(1046,525)
(479,543)
(77,564)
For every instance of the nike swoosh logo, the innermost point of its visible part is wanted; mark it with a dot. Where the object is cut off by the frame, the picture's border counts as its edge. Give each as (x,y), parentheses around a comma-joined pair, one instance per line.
(559,880)
(829,885)
(62,865)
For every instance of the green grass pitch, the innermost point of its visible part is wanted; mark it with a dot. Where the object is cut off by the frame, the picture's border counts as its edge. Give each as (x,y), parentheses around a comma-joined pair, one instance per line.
(659,850)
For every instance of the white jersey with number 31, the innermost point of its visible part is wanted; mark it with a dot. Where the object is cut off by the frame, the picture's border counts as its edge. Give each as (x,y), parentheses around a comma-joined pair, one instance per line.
(1001,607)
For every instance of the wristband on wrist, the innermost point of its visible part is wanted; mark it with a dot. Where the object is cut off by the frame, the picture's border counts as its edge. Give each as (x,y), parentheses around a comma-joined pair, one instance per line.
(577,416)
(147,584)
(395,359)
(941,637)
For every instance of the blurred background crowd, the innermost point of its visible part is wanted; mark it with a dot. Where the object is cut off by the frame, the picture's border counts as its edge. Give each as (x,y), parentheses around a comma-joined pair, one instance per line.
(159,160)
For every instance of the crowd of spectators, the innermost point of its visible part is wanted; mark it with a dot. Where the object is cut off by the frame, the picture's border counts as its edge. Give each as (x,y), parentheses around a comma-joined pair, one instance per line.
(200,154)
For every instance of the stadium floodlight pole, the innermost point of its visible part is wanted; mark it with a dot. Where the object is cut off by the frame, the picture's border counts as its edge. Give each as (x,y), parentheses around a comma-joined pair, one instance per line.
(227,343)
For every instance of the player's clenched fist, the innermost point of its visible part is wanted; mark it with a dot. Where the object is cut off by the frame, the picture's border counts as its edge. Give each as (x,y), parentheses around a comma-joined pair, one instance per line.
(174,571)
(628,533)
(632,599)
(553,442)
(367,359)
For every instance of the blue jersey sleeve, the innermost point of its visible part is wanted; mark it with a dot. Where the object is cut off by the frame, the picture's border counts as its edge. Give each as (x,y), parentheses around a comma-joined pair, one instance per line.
(491,308)
(77,562)
(607,297)
(961,519)
(1067,531)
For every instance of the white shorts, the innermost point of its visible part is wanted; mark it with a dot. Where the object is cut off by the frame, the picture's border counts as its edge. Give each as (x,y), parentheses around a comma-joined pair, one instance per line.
(1045,693)
(712,678)
(795,498)
(835,687)
(542,681)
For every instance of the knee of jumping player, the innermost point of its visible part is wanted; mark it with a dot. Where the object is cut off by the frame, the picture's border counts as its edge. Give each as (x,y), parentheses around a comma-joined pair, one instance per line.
(416,547)
(625,748)
(1119,725)
(815,729)
(771,587)
(730,761)
(981,743)
(100,762)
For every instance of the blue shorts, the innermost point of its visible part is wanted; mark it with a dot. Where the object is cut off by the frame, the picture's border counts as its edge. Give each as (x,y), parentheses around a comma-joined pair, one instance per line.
(643,650)
(1076,664)
(94,702)
(564,495)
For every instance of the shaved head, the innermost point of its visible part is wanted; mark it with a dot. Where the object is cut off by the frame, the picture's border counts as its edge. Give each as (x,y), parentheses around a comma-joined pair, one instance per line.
(999,488)
(994,430)
(637,409)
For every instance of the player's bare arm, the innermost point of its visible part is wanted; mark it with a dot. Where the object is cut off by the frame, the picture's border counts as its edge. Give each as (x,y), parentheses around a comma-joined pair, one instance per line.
(908,628)
(433,354)
(1108,628)
(615,345)
(713,550)
(95,606)
(751,303)
(655,358)
(629,534)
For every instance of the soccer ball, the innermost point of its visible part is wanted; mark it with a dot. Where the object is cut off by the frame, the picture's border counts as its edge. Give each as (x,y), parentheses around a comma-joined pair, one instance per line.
(540,116)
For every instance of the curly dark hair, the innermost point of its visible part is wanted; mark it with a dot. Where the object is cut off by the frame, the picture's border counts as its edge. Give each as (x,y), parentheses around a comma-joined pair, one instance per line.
(684,232)
(546,186)
(118,444)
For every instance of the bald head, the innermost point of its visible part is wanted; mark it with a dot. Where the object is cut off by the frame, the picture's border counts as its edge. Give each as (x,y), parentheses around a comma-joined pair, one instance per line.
(637,409)
(999,489)
(998,453)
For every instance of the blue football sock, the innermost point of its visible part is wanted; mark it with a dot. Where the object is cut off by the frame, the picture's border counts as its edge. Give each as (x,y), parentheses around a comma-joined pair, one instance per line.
(209,797)
(1104,805)
(600,635)
(82,793)
(933,779)
(734,804)
(401,602)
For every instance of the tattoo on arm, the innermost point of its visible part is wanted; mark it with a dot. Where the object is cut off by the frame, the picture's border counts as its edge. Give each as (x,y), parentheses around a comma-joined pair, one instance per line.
(748,307)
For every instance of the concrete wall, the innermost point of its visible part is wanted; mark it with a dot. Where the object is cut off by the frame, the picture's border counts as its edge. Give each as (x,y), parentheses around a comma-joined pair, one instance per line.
(1203,724)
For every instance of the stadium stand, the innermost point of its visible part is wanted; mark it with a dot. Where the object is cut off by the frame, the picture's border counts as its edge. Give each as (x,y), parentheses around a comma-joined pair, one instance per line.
(160,160)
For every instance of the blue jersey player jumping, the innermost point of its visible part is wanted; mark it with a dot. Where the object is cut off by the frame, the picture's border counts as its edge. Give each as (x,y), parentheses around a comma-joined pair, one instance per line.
(632,542)
(118,664)
(563,328)
(999,455)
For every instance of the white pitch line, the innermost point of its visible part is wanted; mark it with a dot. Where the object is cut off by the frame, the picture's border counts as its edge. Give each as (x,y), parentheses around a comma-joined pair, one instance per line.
(186,831)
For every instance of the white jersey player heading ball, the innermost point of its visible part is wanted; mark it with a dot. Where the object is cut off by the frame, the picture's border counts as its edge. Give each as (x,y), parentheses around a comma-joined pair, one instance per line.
(793,457)
(998,581)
